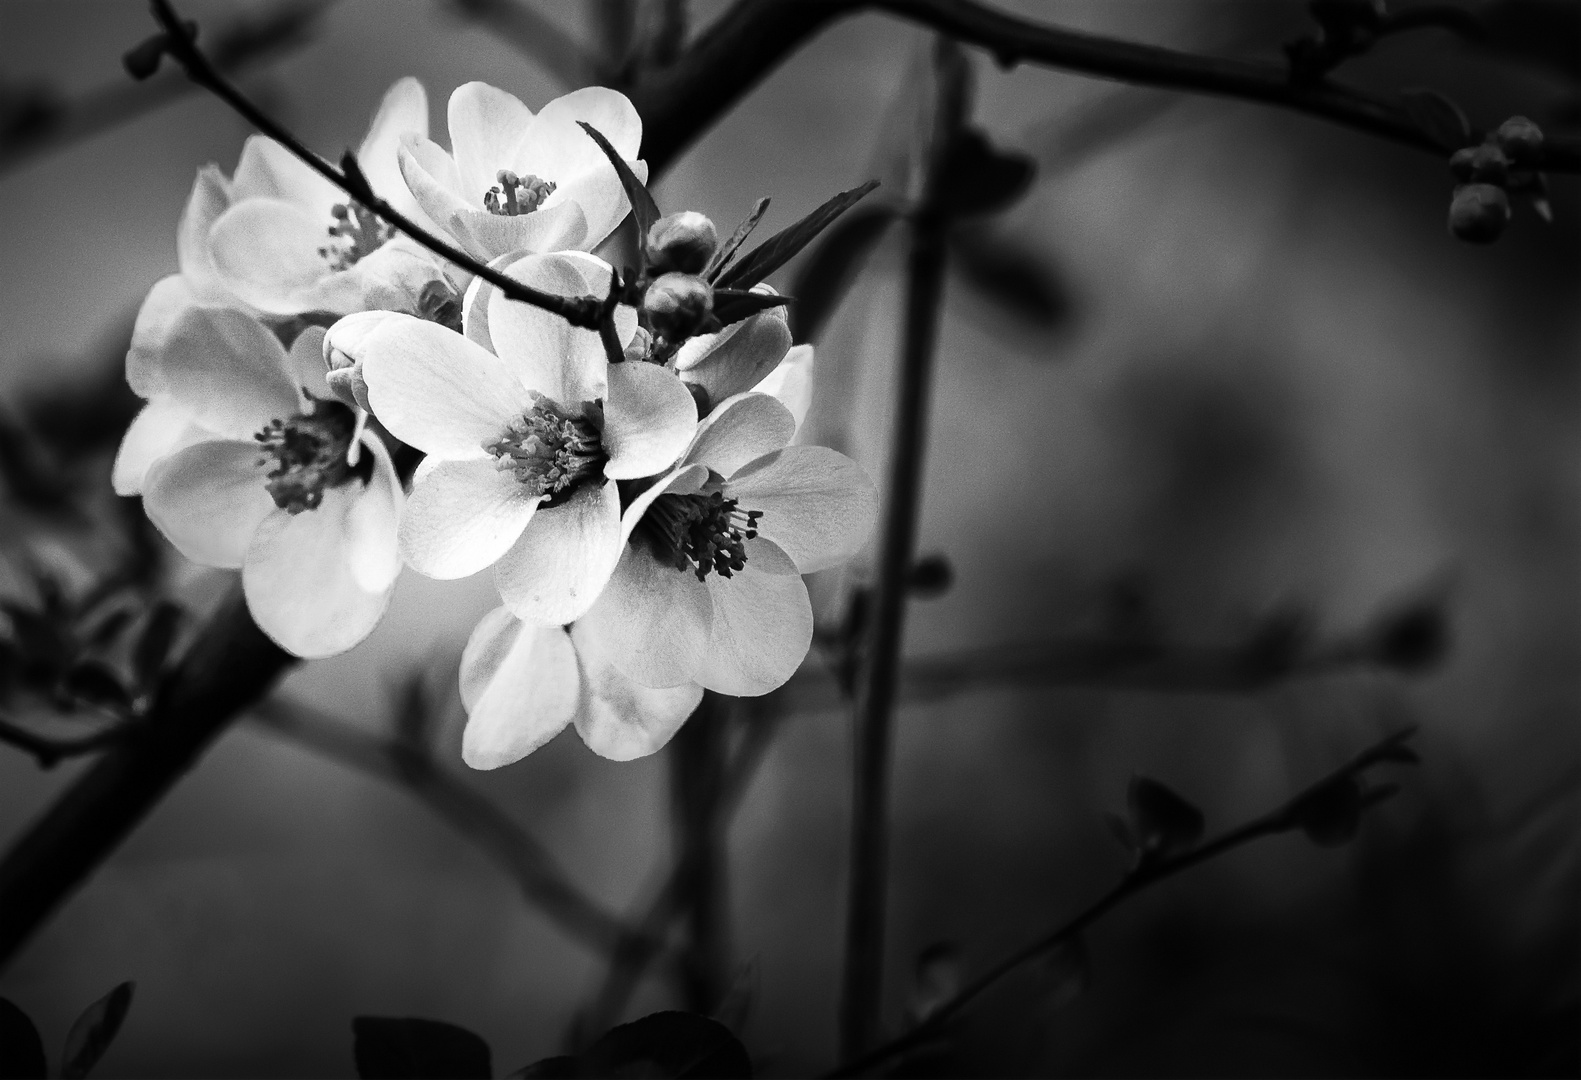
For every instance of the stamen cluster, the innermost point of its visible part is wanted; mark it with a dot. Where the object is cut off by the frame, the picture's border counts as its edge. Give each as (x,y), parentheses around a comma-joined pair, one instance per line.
(310,455)
(516,195)
(550,449)
(700,532)
(356,232)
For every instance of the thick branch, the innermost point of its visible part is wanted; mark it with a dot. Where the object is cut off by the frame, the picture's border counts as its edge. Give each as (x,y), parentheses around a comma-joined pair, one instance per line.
(754,36)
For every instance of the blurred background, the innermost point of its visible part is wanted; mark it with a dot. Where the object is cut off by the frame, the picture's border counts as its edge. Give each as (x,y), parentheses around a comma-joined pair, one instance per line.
(1255,376)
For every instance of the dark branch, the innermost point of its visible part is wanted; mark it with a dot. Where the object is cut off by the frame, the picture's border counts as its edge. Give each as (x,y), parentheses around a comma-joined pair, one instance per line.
(1294,814)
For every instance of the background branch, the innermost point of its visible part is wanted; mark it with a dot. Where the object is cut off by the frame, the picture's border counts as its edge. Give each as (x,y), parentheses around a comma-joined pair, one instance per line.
(537,37)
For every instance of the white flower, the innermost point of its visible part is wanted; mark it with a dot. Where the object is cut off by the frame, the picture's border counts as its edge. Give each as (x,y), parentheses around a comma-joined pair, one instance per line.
(753,354)
(273,478)
(516,182)
(522,684)
(525,424)
(708,589)
(288,241)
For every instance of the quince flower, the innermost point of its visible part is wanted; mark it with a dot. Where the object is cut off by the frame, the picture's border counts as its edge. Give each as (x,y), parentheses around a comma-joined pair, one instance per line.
(522,684)
(519,182)
(753,354)
(524,423)
(708,588)
(277,480)
(287,241)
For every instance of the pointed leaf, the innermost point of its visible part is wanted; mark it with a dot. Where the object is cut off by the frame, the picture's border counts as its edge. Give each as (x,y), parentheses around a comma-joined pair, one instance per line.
(93,1032)
(1331,815)
(643,208)
(21,1050)
(822,280)
(153,645)
(669,1044)
(780,248)
(409,1048)
(1164,821)
(728,249)
(733,305)
(1438,118)
(1018,281)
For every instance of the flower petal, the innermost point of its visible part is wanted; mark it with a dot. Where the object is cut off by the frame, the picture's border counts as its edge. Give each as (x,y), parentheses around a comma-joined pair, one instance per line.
(556,227)
(649,418)
(486,124)
(738,430)
(462,517)
(529,701)
(302,582)
(818,505)
(655,619)
(620,719)
(268,170)
(556,148)
(475,305)
(686,480)
(554,572)
(433,388)
(267,252)
(762,624)
(160,429)
(211,197)
(430,175)
(372,523)
(791,383)
(404,111)
(162,308)
(227,370)
(737,358)
(305,363)
(486,649)
(208,500)
(547,353)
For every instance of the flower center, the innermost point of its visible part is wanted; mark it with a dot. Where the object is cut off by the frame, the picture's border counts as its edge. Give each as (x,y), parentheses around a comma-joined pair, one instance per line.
(515,195)
(700,532)
(311,454)
(355,233)
(552,448)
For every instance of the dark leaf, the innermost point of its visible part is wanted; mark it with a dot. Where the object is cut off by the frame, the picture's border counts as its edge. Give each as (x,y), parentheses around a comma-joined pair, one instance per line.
(21,1050)
(1013,277)
(153,644)
(1331,815)
(1164,822)
(931,576)
(780,248)
(93,682)
(408,1048)
(1413,639)
(109,628)
(978,178)
(937,979)
(733,305)
(36,637)
(1372,796)
(1438,118)
(823,279)
(669,1044)
(728,249)
(1065,974)
(643,209)
(93,1032)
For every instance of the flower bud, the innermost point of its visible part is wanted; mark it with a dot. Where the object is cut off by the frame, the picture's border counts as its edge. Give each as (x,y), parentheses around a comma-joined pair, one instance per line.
(1479,212)
(682,242)
(677,305)
(1484,164)
(1521,139)
(343,356)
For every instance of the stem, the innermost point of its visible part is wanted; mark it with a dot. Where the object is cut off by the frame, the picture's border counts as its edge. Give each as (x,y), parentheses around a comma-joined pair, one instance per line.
(697,764)
(230,665)
(864,947)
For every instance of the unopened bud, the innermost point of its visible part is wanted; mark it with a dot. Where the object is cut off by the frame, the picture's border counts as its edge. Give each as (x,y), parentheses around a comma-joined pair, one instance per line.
(1484,164)
(343,344)
(1479,212)
(641,342)
(682,242)
(677,305)
(1521,139)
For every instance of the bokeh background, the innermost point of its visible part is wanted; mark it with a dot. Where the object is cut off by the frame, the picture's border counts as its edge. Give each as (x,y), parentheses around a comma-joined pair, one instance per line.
(1269,381)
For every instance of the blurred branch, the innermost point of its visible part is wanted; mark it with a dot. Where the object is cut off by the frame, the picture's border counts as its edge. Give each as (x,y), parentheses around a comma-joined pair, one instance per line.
(537,37)
(412,768)
(36,120)
(50,752)
(697,760)
(230,665)
(1329,811)
(746,43)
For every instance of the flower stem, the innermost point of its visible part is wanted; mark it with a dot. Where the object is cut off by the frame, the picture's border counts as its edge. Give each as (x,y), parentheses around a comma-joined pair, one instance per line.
(864,946)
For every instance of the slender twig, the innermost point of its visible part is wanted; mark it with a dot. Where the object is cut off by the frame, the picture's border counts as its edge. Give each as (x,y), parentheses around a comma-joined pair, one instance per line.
(247,41)
(749,40)
(1294,814)
(697,764)
(585,312)
(535,36)
(50,752)
(413,769)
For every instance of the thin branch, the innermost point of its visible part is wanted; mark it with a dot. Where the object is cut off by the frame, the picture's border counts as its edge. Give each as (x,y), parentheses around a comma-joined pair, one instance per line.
(750,39)
(45,122)
(585,312)
(536,37)
(412,769)
(1294,814)
(50,752)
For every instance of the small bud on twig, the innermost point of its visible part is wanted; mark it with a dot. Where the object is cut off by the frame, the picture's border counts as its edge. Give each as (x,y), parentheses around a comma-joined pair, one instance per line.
(683,242)
(1479,213)
(677,305)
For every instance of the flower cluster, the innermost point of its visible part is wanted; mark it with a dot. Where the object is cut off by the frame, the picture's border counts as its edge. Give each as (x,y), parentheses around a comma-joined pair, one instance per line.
(645,514)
